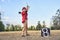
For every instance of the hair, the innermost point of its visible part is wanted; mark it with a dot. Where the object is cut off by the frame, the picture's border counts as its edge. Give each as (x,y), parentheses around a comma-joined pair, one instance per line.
(23,8)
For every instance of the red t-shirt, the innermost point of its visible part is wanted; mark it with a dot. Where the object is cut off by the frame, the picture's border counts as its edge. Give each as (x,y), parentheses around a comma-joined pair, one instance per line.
(24,16)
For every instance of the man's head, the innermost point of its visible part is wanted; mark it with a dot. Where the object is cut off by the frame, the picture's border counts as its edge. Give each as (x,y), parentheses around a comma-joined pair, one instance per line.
(24,9)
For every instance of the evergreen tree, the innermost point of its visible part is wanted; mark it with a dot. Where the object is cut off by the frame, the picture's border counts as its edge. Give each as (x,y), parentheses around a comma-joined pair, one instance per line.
(44,24)
(1,26)
(31,28)
(8,27)
(38,27)
(12,27)
(56,21)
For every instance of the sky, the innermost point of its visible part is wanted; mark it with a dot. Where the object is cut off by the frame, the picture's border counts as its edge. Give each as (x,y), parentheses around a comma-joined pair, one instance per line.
(40,10)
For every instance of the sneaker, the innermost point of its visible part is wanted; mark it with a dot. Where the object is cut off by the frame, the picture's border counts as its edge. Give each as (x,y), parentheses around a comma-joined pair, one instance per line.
(23,35)
(27,35)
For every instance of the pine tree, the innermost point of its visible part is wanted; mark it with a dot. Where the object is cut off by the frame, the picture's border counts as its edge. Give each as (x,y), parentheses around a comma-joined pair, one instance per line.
(38,27)
(1,26)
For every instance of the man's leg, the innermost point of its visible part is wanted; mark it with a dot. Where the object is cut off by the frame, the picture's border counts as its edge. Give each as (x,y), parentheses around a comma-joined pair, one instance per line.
(23,30)
(26,27)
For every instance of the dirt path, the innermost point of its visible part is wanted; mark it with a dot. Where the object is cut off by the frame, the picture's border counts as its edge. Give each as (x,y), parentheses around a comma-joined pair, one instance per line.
(34,35)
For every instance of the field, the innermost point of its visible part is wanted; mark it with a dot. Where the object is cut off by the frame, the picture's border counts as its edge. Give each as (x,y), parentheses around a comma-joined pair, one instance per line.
(34,35)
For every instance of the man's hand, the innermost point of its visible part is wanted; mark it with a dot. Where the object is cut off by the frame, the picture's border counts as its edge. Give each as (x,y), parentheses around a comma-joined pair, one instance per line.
(27,6)
(19,12)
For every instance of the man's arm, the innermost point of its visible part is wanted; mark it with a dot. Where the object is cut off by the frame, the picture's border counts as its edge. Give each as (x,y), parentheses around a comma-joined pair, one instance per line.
(27,7)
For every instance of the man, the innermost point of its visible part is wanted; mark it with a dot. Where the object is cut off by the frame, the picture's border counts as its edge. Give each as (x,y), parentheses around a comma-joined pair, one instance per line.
(24,20)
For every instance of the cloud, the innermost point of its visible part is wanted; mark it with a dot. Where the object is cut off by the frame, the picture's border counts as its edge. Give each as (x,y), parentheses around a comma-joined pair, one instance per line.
(0,7)
(5,0)
(2,0)
(9,20)
(5,18)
